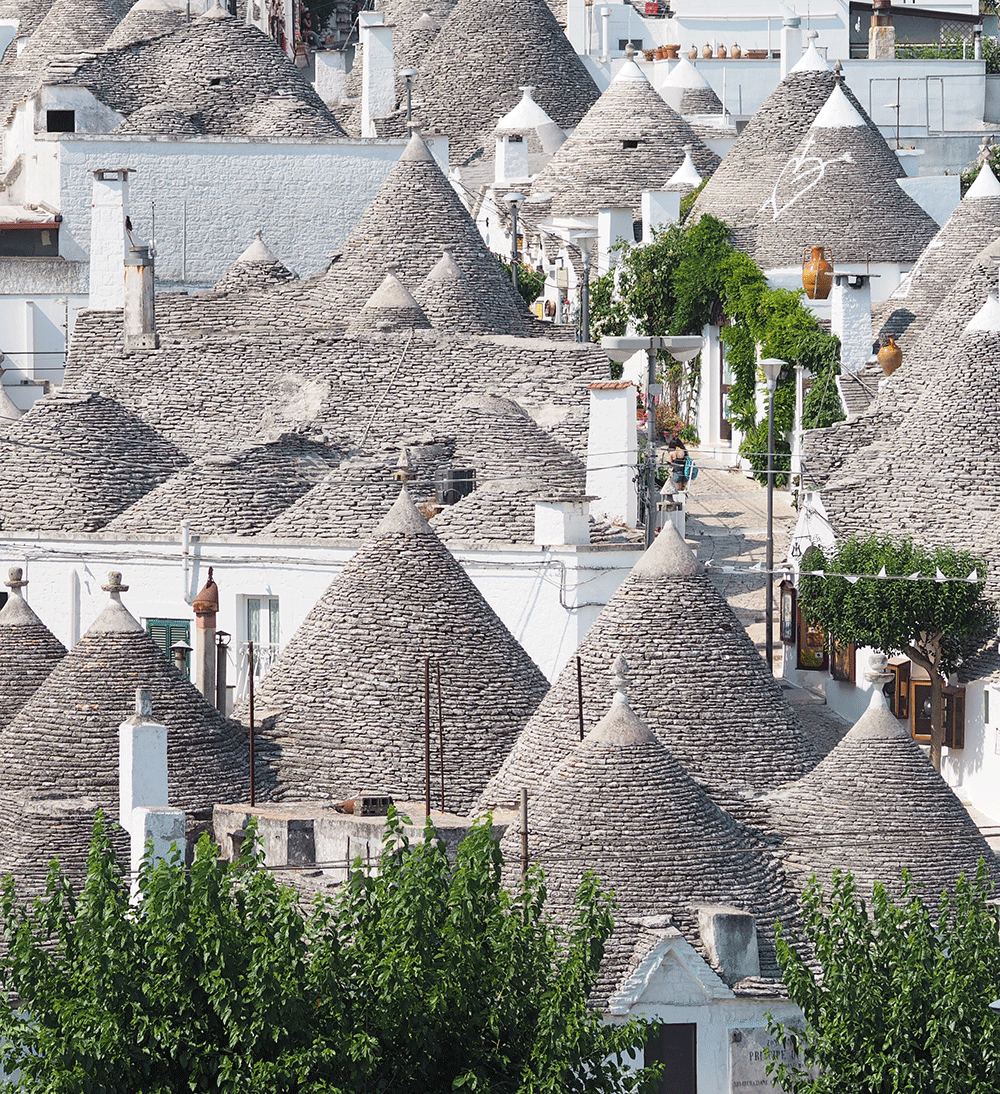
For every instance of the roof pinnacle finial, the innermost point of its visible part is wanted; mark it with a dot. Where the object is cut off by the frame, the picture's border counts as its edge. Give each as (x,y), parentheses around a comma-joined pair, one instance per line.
(404,468)
(629,52)
(114,585)
(15,584)
(619,677)
(838,72)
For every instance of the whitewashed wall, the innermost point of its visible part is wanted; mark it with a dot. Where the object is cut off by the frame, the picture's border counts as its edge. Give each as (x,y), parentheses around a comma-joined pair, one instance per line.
(548,597)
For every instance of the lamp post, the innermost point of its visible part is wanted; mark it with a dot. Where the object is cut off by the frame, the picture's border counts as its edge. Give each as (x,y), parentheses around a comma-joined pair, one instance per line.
(682,348)
(409,75)
(772,367)
(585,242)
(515,201)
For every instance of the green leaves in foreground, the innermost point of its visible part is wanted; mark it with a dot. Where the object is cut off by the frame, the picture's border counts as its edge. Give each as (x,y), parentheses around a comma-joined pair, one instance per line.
(428,977)
(899,1002)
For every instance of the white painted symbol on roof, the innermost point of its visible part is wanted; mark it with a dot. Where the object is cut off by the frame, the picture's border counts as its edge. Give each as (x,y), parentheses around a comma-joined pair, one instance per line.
(800,175)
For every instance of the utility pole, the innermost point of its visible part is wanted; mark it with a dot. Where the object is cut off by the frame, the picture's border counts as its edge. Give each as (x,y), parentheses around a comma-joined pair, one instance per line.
(515,201)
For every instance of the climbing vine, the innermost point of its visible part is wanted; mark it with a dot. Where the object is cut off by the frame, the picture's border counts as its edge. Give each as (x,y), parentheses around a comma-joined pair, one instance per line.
(690,276)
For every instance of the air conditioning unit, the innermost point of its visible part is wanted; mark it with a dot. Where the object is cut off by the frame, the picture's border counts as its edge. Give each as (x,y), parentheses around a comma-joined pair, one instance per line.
(454,483)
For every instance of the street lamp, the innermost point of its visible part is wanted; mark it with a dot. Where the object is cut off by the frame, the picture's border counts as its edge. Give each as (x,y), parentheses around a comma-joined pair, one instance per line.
(515,201)
(409,75)
(585,242)
(772,367)
(682,348)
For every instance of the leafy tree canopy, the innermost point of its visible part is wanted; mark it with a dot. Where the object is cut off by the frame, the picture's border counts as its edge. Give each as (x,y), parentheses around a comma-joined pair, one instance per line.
(425,977)
(689,276)
(897,999)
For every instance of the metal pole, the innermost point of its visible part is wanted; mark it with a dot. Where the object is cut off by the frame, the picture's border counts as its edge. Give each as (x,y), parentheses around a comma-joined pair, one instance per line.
(585,309)
(253,780)
(440,733)
(579,694)
(221,665)
(409,99)
(650,448)
(769,606)
(513,245)
(427,734)
(524,833)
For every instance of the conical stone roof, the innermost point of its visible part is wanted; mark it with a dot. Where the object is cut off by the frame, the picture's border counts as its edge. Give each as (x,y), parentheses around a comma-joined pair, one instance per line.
(620,805)
(894,488)
(688,92)
(344,702)
(29,651)
(746,177)
(234,494)
(944,261)
(451,301)
(146,20)
(76,460)
(472,74)
(64,741)
(389,308)
(698,683)
(840,188)
(256,269)
(415,216)
(629,141)
(875,806)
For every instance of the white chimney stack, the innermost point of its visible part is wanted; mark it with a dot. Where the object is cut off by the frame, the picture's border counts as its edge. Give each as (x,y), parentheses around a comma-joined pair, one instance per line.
(109,208)
(562,521)
(142,785)
(613,224)
(140,313)
(378,78)
(791,41)
(613,452)
(851,318)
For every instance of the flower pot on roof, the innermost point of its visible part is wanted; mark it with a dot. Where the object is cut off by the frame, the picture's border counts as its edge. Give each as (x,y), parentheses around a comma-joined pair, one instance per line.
(693,51)
(890,356)
(672,52)
(736,53)
(661,53)
(721,52)
(706,51)
(817,272)
(648,54)
(757,54)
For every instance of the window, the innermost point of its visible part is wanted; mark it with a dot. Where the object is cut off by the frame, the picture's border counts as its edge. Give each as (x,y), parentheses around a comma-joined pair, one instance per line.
(623,43)
(630,144)
(262,631)
(954,713)
(788,596)
(29,241)
(60,121)
(166,632)
(676,1047)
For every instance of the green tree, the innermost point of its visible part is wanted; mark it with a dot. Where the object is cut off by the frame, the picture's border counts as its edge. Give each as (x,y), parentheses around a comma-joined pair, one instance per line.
(933,622)
(895,996)
(689,276)
(427,976)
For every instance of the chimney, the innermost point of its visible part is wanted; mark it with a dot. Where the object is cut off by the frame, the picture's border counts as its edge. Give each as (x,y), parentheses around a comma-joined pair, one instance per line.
(142,785)
(791,41)
(562,521)
(140,315)
(613,224)
(851,318)
(108,210)
(206,609)
(660,208)
(730,939)
(612,452)
(881,33)
(378,78)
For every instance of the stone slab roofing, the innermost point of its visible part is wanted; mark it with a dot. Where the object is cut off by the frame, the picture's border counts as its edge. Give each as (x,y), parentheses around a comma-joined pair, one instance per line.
(352,500)
(256,269)
(944,261)
(746,177)
(76,460)
(951,497)
(343,704)
(452,301)
(839,188)
(146,20)
(226,77)
(875,806)
(688,92)
(261,380)
(415,216)
(629,141)
(620,805)
(484,54)
(64,741)
(697,682)
(234,493)
(29,651)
